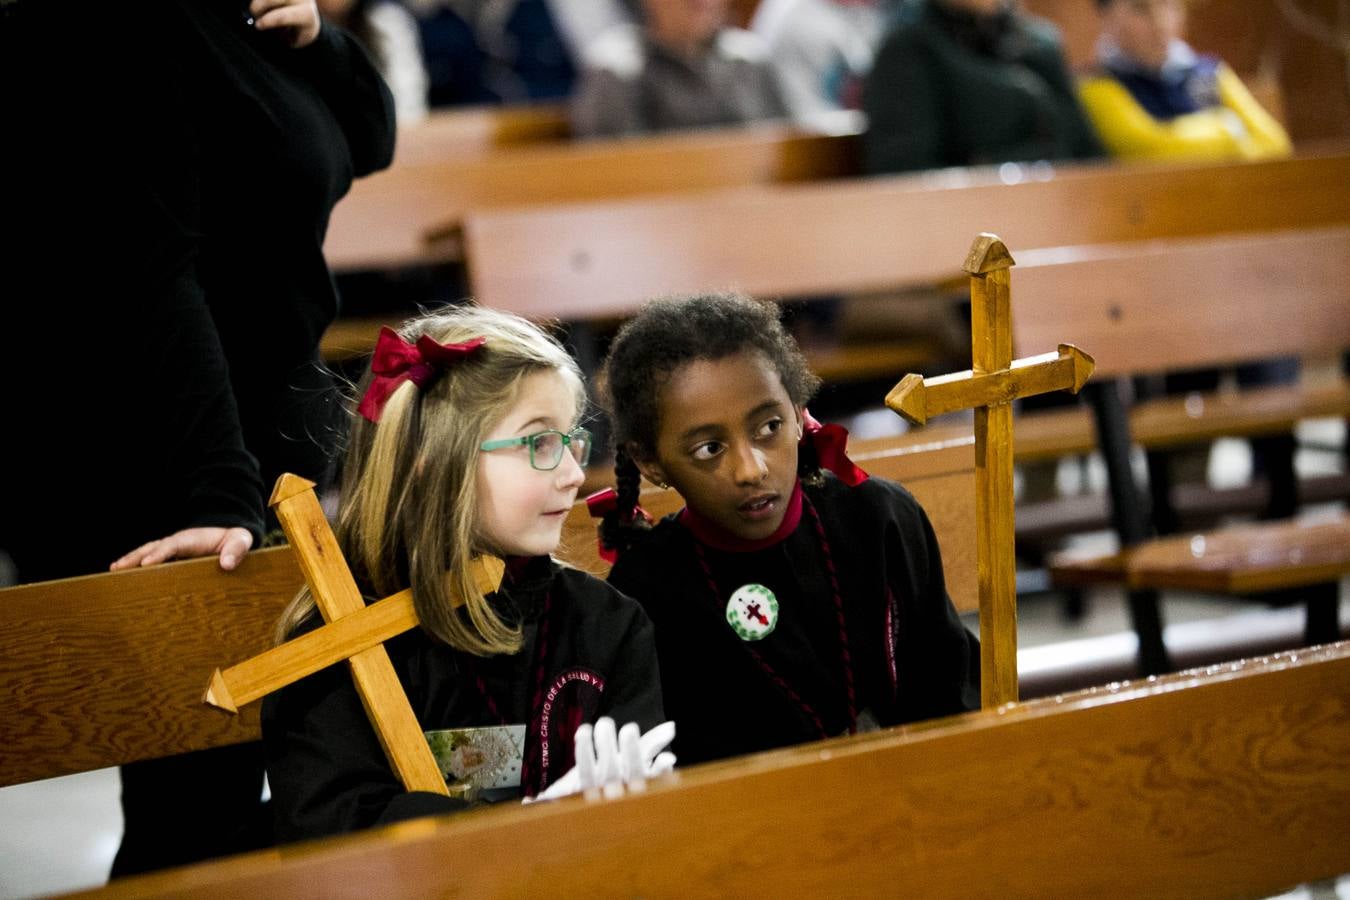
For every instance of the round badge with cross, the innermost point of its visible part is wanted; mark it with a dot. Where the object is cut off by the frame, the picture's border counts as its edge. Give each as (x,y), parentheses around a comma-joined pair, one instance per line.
(752,612)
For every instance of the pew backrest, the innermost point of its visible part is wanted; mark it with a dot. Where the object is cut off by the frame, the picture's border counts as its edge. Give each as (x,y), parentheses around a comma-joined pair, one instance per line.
(410,213)
(106,669)
(1189,303)
(591,260)
(479,131)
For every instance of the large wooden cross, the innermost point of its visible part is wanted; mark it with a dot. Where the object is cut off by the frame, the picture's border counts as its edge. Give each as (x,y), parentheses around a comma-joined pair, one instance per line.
(989,387)
(354,632)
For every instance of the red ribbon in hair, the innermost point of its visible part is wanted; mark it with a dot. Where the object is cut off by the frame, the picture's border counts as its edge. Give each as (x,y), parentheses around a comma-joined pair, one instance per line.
(397,361)
(604,502)
(831,442)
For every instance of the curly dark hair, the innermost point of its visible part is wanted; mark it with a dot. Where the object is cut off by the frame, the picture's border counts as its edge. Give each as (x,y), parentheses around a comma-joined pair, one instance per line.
(647,351)
(672,332)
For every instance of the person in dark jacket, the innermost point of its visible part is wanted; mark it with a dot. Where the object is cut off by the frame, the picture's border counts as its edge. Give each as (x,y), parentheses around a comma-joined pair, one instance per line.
(971,82)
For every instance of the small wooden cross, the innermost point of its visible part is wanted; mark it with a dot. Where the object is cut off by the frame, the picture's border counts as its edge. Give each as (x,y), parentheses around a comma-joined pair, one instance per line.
(354,632)
(995,380)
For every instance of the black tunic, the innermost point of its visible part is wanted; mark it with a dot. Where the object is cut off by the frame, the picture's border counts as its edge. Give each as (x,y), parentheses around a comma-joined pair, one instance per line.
(911,656)
(327,771)
(280,134)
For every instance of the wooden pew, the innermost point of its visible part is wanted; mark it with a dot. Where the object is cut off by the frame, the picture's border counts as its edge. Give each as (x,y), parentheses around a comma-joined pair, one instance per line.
(602,260)
(1227,782)
(595,260)
(391,218)
(1189,304)
(478,131)
(107,669)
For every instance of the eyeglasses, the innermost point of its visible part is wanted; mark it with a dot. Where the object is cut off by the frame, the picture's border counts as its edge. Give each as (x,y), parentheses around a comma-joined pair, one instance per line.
(546,447)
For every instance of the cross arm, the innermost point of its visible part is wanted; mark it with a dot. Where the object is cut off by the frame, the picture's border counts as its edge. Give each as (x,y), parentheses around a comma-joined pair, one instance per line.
(918,399)
(341,639)
(286,664)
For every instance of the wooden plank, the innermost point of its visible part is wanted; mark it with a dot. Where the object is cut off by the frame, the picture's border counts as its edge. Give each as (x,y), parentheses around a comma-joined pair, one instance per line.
(603,259)
(1233,781)
(1156,306)
(1262,556)
(1251,412)
(350,338)
(106,669)
(478,131)
(386,219)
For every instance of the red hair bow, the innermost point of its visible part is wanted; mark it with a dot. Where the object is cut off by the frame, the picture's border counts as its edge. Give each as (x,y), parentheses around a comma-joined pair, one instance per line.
(397,361)
(831,442)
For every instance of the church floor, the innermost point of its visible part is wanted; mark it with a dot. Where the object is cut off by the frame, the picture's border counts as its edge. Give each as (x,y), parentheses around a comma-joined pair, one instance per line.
(60,835)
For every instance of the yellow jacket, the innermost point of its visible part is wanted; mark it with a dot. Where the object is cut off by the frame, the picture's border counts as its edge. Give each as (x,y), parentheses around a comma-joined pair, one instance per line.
(1237,129)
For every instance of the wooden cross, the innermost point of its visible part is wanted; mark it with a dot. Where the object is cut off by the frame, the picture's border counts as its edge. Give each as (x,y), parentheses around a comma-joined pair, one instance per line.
(354,632)
(995,380)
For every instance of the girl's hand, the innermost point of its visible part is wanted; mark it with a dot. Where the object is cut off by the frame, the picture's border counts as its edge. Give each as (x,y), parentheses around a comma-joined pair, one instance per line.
(297,19)
(231,543)
(611,760)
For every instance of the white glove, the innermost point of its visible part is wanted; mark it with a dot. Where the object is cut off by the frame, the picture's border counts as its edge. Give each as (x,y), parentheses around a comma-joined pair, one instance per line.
(609,760)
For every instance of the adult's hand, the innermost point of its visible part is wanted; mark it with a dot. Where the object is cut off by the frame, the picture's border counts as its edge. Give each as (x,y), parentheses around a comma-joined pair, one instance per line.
(231,544)
(297,20)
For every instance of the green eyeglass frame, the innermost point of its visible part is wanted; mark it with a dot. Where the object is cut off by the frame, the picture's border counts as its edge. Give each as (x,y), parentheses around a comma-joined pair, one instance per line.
(546,447)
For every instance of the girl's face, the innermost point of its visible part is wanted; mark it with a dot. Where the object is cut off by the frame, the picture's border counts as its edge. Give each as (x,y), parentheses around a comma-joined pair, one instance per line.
(728,442)
(522,509)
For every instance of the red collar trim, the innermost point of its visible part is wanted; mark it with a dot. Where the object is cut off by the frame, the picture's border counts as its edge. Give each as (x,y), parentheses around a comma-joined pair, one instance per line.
(713,535)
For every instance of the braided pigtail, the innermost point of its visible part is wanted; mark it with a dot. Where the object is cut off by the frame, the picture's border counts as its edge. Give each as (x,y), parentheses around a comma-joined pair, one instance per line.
(620,526)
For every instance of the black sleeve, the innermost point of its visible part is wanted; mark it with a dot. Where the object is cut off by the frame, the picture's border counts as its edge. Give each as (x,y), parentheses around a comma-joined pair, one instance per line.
(325,766)
(635,695)
(940,658)
(185,372)
(357,95)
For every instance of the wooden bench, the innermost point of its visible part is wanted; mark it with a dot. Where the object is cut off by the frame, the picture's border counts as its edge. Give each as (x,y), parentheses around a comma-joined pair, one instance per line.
(1228,782)
(603,259)
(1177,305)
(108,669)
(477,131)
(409,214)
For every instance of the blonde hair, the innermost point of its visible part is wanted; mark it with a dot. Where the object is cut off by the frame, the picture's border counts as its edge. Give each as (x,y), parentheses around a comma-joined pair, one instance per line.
(409,501)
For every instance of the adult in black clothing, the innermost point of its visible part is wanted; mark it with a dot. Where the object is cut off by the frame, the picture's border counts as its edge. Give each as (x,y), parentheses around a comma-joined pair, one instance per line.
(971,82)
(175,178)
